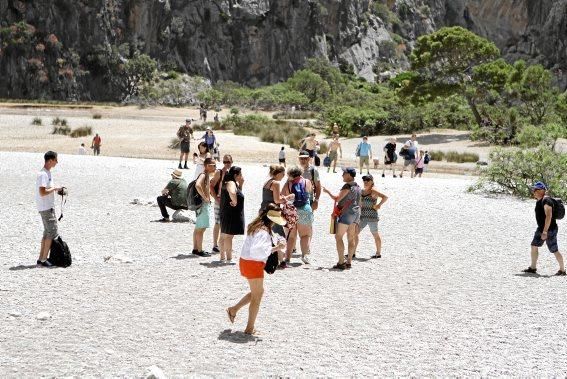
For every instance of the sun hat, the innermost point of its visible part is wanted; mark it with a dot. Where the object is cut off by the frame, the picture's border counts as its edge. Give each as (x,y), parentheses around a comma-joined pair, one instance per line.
(208,128)
(539,186)
(350,170)
(276,217)
(303,154)
(368,177)
(177,174)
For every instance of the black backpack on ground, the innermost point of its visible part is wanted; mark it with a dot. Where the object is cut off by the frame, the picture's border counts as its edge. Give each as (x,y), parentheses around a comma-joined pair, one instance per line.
(59,254)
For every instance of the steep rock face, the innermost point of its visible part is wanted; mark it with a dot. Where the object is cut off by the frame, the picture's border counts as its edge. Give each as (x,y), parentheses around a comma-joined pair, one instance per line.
(68,45)
(535,31)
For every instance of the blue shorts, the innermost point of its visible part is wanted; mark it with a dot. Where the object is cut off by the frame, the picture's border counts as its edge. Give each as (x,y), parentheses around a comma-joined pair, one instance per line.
(305,215)
(372,225)
(349,217)
(551,240)
(203,221)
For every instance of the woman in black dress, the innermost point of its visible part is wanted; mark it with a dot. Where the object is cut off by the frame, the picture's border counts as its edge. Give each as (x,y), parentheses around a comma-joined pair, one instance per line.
(231,211)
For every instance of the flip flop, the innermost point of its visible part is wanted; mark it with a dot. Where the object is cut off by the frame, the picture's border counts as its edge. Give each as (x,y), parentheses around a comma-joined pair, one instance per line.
(376,256)
(231,317)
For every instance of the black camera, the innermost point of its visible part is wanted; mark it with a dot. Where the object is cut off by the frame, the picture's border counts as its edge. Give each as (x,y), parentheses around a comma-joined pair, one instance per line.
(62,191)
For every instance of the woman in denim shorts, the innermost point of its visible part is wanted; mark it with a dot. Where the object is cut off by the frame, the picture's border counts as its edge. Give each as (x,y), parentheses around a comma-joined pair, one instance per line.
(369,212)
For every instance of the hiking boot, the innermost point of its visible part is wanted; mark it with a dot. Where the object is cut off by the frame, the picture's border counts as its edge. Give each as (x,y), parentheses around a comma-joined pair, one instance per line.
(180,167)
(185,167)
(383,175)
(530,270)
(305,259)
(561,273)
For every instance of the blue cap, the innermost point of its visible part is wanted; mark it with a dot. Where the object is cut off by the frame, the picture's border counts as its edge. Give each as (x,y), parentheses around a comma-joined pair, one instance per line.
(539,186)
(350,170)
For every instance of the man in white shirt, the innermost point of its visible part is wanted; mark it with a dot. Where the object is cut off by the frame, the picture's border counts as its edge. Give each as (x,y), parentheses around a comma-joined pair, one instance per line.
(45,200)
(82,150)
(412,142)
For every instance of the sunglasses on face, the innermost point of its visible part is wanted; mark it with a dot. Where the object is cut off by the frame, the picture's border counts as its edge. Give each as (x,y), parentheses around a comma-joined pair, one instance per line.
(366,180)
(226,162)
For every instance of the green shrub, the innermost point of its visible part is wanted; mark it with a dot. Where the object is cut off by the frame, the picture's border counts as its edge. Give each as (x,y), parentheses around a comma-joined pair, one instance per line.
(513,172)
(267,130)
(174,143)
(97,116)
(81,132)
(454,156)
(59,121)
(437,155)
(297,115)
(323,148)
(37,121)
(63,130)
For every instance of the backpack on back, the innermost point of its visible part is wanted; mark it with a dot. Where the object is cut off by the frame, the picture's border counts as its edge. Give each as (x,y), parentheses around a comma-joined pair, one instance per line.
(558,208)
(426,159)
(300,191)
(59,254)
(194,200)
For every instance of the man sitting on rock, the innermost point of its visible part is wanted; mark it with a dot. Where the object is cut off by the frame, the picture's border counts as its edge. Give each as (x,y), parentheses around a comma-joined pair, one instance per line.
(173,196)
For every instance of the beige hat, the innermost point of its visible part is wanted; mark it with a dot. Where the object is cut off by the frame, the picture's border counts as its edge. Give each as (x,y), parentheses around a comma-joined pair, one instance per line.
(276,217)
(177,174)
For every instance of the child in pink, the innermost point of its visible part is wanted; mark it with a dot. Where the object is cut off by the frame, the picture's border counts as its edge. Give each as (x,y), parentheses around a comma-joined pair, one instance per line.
(420,164)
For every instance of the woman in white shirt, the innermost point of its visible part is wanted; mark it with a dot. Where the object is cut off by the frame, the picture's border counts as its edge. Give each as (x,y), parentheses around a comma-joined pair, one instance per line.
(255,252)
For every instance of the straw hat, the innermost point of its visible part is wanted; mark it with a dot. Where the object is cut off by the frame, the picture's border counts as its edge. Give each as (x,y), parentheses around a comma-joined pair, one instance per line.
(276,217)
(177,174)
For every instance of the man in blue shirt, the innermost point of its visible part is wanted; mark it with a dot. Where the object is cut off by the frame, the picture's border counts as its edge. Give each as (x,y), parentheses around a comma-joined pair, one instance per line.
(364,154)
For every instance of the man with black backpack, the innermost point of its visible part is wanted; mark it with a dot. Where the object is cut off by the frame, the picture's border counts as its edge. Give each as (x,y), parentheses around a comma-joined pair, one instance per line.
(547,211)
(45,201)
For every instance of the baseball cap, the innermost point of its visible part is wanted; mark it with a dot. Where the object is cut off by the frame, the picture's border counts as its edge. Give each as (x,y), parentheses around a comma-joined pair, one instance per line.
(539,186)
(368,177)
(350,170)
(303,154)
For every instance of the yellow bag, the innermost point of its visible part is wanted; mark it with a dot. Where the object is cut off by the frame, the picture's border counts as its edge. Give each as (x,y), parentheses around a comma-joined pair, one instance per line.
(333,226)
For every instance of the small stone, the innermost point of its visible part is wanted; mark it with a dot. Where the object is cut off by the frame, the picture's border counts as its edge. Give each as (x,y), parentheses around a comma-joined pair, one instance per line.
(42,316)
(154,372)
(15,314)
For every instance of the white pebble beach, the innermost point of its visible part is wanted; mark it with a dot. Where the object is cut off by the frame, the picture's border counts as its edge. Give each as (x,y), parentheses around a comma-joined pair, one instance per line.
(448,298)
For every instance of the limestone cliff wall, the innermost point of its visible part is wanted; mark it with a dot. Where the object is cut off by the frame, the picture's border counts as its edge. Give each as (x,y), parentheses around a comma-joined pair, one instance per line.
(249,41)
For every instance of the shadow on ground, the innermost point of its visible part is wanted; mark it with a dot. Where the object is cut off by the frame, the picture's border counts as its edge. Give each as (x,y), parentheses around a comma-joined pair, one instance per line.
(237,337)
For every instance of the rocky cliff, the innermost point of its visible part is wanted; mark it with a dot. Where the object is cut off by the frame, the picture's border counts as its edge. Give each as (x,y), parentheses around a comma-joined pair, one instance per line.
(65,48)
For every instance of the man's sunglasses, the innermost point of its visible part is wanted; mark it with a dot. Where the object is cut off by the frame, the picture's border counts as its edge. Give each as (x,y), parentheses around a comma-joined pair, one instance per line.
(226,162)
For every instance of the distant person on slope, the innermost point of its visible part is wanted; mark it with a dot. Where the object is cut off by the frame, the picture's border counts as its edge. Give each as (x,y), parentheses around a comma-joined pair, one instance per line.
(185,133)
(96,144)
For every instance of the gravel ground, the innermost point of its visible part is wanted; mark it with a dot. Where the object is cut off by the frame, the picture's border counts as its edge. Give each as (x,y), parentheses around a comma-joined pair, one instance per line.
(447,299)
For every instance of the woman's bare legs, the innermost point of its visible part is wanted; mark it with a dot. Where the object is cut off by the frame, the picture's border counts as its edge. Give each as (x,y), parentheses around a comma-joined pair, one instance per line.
(254,298)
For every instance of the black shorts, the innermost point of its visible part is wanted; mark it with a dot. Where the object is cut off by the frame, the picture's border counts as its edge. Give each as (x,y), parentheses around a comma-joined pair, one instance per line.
(184,146)
(419,170)
(282,160)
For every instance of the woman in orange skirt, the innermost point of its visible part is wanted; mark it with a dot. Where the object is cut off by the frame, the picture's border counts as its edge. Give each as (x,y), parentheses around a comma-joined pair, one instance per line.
(256,249)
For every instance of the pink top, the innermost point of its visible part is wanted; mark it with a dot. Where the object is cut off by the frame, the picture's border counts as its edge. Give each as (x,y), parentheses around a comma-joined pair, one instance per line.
(420,163)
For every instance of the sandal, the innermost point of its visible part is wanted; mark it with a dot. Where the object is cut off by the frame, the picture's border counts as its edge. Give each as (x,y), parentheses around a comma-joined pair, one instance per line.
(348,265)
(231,317)
(561,273)
(340,266)
(376,256)
(530,270)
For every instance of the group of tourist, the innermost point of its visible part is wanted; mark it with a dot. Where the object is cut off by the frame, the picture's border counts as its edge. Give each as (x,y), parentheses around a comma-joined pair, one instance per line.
(287,211)
(208,146)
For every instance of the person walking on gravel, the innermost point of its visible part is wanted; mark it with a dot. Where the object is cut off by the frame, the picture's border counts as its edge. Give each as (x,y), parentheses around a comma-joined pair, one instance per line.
(96,144)
(45,191)
(364,154)
(369,207)
(258,246)
(390,157)
(348,217)
(547,228)
(334,149)
(185,133)
(202,221)
(216,183)
(173,196)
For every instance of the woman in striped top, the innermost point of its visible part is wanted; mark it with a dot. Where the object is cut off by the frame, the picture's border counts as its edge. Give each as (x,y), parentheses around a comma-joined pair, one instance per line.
(369,207)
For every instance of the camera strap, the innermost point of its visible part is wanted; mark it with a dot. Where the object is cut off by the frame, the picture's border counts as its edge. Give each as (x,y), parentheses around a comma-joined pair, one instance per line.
(63,202)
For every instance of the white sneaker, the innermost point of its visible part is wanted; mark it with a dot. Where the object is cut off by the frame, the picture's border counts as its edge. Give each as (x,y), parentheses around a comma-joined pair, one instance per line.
(305,259)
